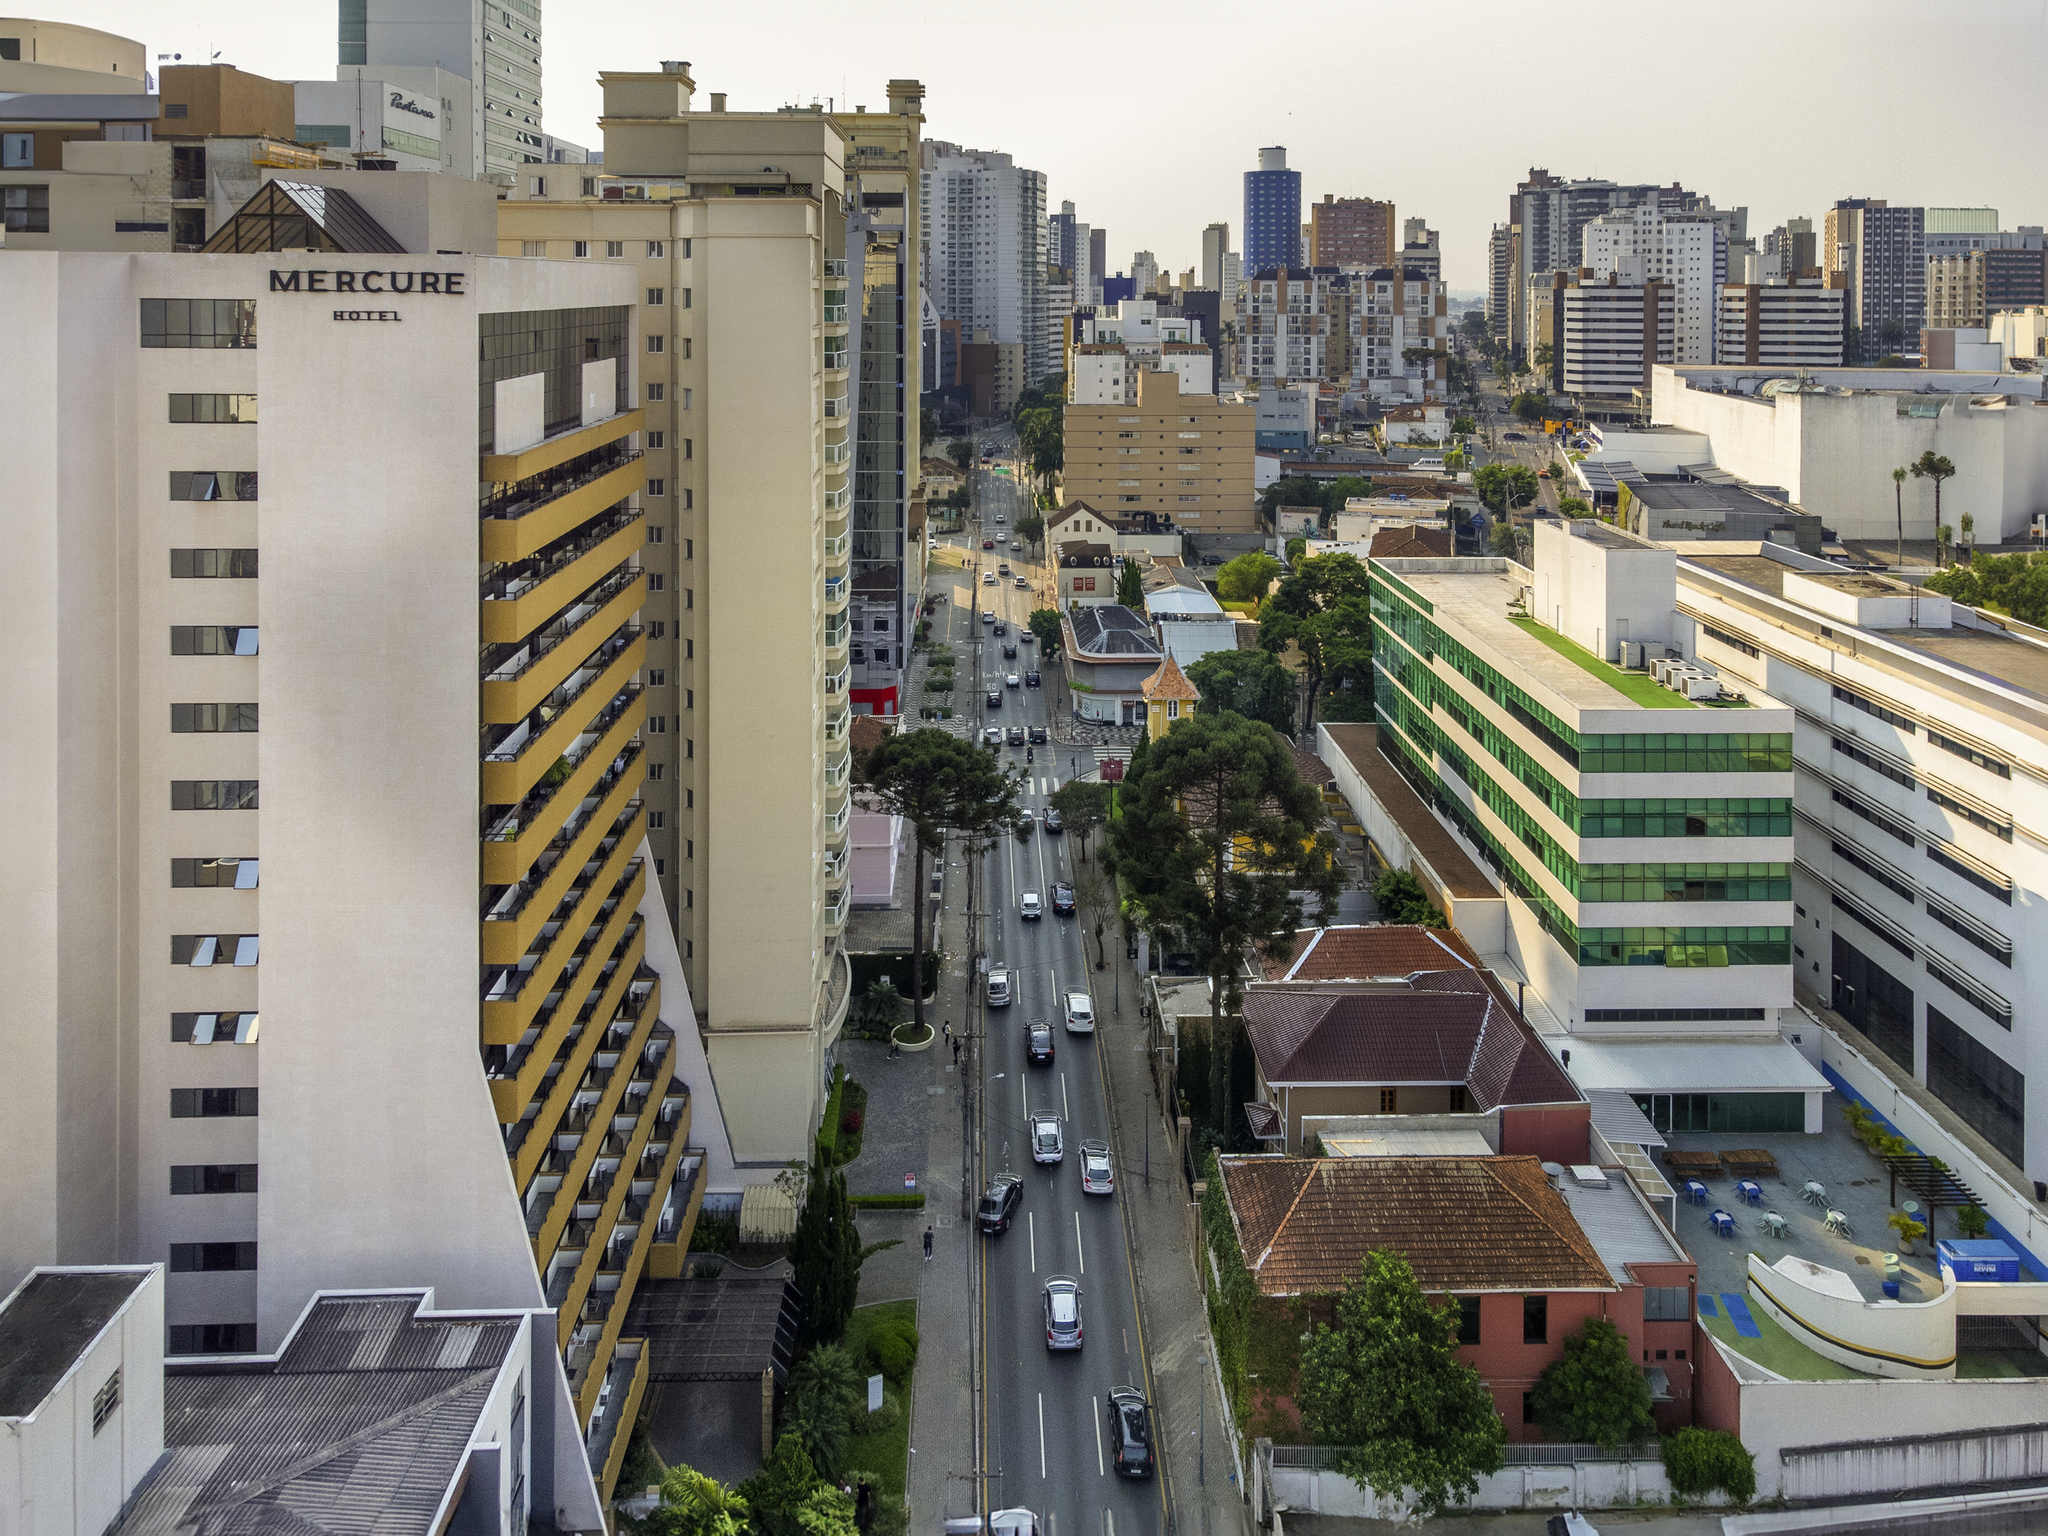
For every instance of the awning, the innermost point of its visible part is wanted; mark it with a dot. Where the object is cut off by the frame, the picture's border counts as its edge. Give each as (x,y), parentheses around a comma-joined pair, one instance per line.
(1770,1064)
(1616,1117)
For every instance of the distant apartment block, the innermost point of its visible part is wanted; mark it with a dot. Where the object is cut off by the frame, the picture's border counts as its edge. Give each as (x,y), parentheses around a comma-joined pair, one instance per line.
(1351,232)
(1878,252)
(1686,251)
(1798,323)
(1186,457)
(1614,333)
(1272,213)
(982,219)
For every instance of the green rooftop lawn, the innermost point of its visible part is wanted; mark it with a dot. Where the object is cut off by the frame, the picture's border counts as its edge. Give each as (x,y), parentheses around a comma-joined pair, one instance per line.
(1777,1350)
(1636,687)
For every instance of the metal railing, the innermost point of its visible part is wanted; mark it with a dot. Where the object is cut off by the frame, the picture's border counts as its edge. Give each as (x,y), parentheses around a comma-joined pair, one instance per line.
(580,610)
(511,581)
(523,496)
(835,266)
(1327,1458)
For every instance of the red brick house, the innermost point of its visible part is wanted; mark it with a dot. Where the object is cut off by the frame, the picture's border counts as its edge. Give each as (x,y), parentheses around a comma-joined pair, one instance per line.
(1493,1234)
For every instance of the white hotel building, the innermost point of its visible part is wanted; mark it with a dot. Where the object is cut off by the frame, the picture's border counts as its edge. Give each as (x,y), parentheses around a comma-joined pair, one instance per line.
(343,965)
(1641,840)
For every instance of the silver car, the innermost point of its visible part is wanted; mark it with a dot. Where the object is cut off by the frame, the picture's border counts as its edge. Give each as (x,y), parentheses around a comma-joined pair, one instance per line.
(1098,1173)
(1062,1313)
(1048,1141)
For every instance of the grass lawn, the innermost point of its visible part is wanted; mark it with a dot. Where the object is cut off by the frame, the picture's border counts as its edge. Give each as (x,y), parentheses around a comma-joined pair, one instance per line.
(1778,1351)
(1636,687)
(884,1452)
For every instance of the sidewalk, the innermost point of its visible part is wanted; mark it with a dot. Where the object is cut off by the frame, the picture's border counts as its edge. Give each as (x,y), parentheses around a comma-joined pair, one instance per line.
(1201,1488)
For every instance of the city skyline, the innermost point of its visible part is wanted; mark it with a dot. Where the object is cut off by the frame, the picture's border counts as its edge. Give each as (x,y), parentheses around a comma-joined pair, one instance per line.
(1454,171)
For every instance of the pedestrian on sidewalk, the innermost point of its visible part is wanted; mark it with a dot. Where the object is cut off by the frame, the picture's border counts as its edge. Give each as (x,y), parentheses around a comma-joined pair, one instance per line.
(927,1245)
(956,1053)
(947,1029)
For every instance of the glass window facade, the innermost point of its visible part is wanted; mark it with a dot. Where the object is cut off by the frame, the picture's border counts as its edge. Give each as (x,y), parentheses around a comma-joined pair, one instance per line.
(1971,1079)
(1724,1111)
(1873,1000)
(229,409)
(555,343)
(200,323)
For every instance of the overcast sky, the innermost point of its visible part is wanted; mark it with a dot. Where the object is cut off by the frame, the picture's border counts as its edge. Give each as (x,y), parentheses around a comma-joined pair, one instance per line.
(1147,126)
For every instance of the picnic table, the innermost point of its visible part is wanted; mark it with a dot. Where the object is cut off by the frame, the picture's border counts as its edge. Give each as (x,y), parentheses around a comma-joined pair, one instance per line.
(1750,1162)
(1681,1161)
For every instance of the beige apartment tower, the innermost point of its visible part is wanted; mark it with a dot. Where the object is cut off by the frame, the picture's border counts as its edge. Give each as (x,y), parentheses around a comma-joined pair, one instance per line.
(1183,457)
(735,224)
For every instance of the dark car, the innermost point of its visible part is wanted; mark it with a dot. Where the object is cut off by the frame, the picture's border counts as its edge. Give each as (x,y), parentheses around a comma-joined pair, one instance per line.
(1016,735)
(1052,820)
(1038,1044)
(995,698)
(1038,736)
(1009,648)
(1128,1418)
(1031,678)
(1001,628)
(1062,899)
(988,543)
(1515,437)
(999,1203)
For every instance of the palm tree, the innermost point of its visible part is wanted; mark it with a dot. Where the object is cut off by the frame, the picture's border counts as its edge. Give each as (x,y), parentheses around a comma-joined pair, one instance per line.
(1899,507)
(824,1394)
(1936,467)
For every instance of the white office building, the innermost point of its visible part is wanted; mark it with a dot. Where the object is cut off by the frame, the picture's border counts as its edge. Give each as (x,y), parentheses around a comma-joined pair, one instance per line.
(983,219)
(365,117)
(1689,251)
(1614,333)
(1920,730)
(492,46)
(1796,323)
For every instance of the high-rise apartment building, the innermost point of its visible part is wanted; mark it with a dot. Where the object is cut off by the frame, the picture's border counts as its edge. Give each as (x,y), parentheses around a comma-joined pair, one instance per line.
(1296,325)
(330,774)
(982,219)
(1215,245)
(1350,232)
(1688,251)
(1420,251)
(1878,252)
(1614,332)
(748,371)
(1551,214)
(1951,231)
(1098,260)
(1059,247)
(492,46)
(1145,274)
(1272,214)
(1797,323)
(1185,457)
(1375,330)
(1789,250)
(1642,841)
(1968,288)
(1399,336)
(1502,266)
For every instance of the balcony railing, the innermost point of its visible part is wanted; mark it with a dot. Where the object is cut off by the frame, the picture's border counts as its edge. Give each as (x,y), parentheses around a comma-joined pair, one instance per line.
(835,314)
(835,359)
(837,408)
(509,581)
(522,497)
(835,589)
(836,682)
(839,500)
(837,722)
(835,866)
(835,635)
(508,663)
(523,815)
(835,266)
(835,821)
(509,744)
(837,548)
(838,453)
(837,908)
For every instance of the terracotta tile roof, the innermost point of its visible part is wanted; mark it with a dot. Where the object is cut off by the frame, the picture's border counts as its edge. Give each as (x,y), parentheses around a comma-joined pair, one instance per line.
(1370,951)
(1313,770)
(1440,1027)
(1406,543)
(1464,1223)
(1264,1120)
(1169,682)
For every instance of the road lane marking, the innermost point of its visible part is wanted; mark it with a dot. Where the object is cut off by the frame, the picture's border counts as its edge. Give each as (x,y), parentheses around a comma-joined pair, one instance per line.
(1096,1420)
(1031,1232)
(1079,1252)
(1041,1437)
(1065,1113)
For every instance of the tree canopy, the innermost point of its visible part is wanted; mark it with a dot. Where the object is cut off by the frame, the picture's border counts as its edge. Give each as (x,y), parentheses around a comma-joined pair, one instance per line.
(695,1505)
(939,784)
(1594,1391)
(825,1253)
(1530,406)
(1326,496)
(1031,528)
(1386,1382)
(1248,683)
(1321,609)
(2014,584)
(825,1392)
(961,451)
(1246,578)
(1083,805)
(1401,899)
(1044,625)
(1503,487)
(1218,838)
(1130,586)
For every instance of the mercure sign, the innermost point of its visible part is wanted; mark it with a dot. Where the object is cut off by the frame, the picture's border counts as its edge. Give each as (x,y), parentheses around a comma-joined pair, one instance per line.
(369,280)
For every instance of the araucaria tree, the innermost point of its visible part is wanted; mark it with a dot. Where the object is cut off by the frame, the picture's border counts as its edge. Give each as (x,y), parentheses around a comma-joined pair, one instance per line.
(1386,1382)
(1217,837)
(1594,1391)
(1130,586)
(939,784)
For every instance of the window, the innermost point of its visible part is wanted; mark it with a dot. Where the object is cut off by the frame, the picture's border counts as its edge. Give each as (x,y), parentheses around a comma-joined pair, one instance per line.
(581,247)
(612,248)
(25,210)
(1456,1103)
(1984,880)
(106,1400)
(533,247)
(201,950)
(213,795)
(1970,813)
(686,348)
(1969,753)
(686,250)
(688,399)
(1870,706)
(1983,999)
(657,725)
(689,499)
(656,344)
(656,582)
(655,248)
(227,409)
(656,677)
(689,448)
(689,549)
(214,1029)
(237,564)
(211,1338)
(237,874)
(213,1178)
(654,296)
(1528,1407)
(656,393)
(1468,1319)
(199,719)
(211,1258)
(1535,1319)
(213,639)
(1993,943)
(656,820)
(213,485)
(17,150)
(199,323)
(686,297)
(212,1103)
(1988,1092)
(1667,1303)
(656,487)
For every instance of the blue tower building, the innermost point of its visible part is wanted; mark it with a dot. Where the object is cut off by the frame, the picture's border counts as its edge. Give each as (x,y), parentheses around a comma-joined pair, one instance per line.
(1272,213)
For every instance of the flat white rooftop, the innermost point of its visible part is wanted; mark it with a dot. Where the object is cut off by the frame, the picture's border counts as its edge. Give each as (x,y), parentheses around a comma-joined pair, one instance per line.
(1770,1064)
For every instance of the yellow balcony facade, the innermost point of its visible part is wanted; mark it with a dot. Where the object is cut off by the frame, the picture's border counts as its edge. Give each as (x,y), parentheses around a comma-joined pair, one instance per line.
(553,1116)
(516,841)
(507,1017)
(512,1093)
(507,940)
(562,1206)
(529,526)
(509,696)
(501,468)
(508,778)
(508,620)
(628,1413)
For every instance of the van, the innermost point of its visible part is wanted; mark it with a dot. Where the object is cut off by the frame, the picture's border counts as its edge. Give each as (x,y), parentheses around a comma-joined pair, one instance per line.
(999,987)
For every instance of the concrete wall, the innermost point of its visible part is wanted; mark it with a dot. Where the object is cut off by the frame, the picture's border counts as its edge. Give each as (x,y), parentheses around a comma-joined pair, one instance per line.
(1826,1311)
(1584,1485)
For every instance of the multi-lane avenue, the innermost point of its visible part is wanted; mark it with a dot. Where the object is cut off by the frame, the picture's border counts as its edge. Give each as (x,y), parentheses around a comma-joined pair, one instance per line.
(1044,1439)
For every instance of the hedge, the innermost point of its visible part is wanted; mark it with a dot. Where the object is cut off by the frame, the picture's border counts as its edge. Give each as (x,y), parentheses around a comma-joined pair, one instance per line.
(904,1202)
(1231,1302)
(1702,1460)
(828,1128)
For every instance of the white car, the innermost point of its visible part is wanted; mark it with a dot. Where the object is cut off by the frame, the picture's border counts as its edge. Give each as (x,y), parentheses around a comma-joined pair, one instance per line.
(1080,1014)
(1013,681)
(1048,1142)
(1098,1174)
(988,578)
(992,736)
(1029,906)
(999,987)
(988,615)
